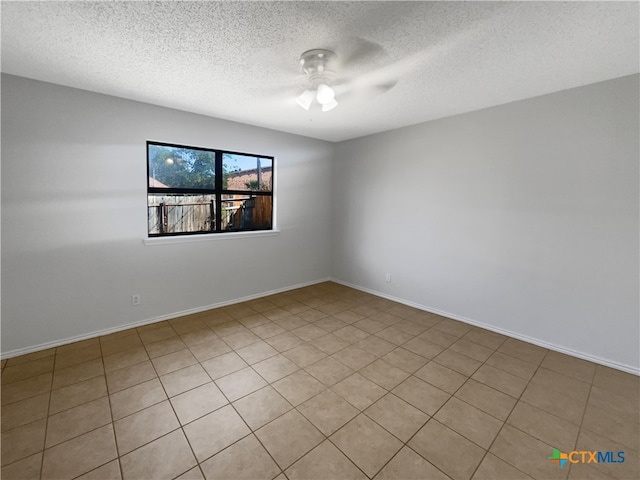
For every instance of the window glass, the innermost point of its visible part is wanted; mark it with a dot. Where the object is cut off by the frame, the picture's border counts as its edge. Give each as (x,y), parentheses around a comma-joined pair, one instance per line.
(171,214)
(246,212)
(199,190)
(246,173)
(176,167)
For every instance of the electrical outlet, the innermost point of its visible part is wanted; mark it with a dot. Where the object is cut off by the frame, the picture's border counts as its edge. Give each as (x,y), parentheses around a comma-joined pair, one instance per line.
(387,277)
(135,300)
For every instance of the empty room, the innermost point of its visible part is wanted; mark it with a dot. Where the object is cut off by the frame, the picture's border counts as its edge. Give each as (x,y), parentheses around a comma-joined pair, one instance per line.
(320,240)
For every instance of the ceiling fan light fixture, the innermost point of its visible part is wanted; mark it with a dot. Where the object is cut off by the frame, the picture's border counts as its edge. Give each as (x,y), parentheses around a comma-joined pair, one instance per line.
(329,105)
(305,99)
(325,94)
(318,66)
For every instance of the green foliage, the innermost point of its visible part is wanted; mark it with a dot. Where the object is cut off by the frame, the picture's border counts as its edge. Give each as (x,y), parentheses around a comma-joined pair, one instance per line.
(182,167)
(178,167)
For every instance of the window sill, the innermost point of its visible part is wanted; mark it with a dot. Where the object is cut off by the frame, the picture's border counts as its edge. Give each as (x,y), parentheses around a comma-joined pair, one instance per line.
(208,237)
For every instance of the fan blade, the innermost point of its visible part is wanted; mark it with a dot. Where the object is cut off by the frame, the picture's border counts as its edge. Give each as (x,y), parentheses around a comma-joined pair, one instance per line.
(384,78)
(297,83)
(356,54)
(387,76)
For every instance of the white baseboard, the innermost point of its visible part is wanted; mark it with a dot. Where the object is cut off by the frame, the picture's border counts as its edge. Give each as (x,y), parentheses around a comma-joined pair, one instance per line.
(508,333)
(191,311)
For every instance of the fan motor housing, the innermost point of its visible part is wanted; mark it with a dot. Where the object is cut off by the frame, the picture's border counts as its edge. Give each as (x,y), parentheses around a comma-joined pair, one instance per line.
(317,64)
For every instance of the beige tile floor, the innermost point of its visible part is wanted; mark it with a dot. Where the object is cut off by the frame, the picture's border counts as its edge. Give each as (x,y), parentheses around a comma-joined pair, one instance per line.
(323,382)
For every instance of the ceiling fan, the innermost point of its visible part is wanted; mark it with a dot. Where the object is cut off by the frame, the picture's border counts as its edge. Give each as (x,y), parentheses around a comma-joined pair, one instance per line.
(329,77)
(318,65)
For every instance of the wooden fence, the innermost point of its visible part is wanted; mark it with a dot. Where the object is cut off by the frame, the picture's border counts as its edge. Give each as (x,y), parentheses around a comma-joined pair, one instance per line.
(180,214)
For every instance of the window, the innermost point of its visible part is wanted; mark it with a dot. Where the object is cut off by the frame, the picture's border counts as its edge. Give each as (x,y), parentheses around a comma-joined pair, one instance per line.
(194,190)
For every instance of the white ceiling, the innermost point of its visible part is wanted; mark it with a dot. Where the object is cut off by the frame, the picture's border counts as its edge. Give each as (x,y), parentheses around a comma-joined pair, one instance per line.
(239,60)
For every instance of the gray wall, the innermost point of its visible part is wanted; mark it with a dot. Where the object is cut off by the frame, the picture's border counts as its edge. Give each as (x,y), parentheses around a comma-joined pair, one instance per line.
(522,217)
(74,216)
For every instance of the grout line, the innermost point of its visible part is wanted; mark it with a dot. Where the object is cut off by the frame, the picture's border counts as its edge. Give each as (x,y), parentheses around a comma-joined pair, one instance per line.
(432,417)
(113,426)
(518,399)
(168,399)
(46,425)
(346,456)
(404,443)
(584,413)
(237,413)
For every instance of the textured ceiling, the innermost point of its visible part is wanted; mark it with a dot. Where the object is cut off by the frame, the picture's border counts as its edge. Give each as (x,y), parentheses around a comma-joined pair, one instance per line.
(239,60)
